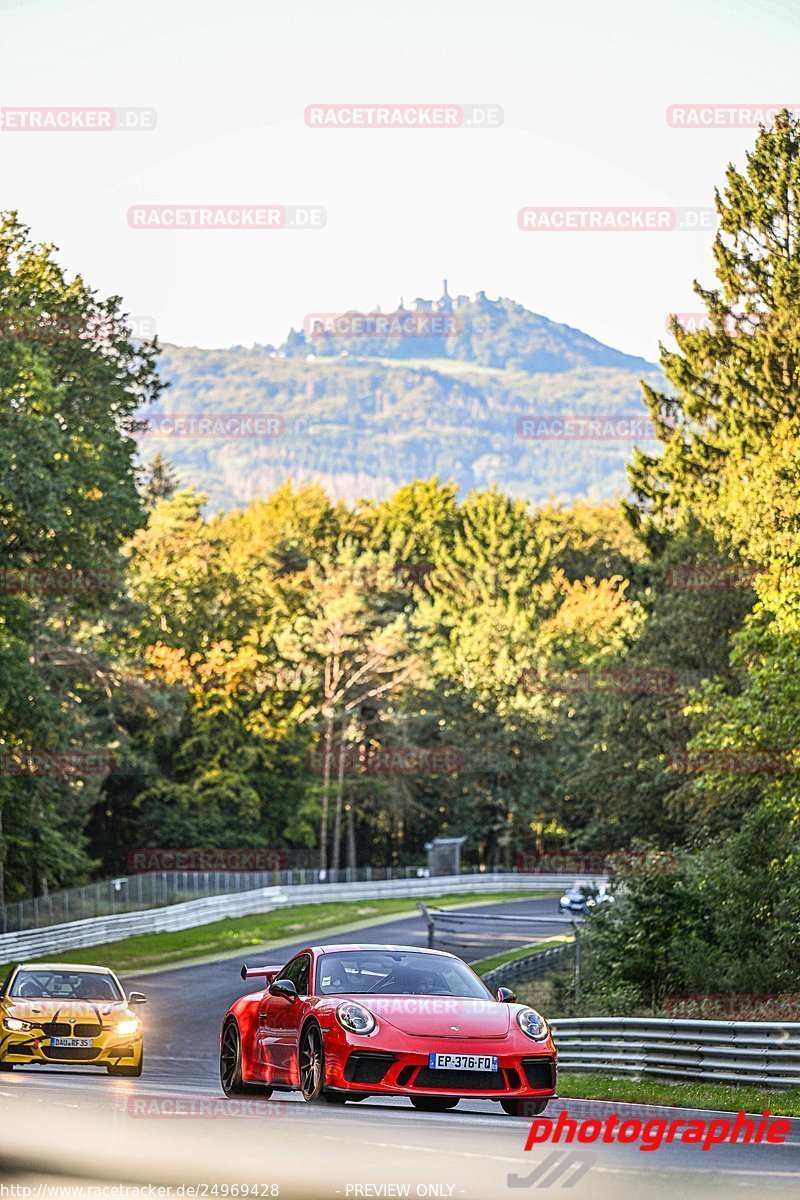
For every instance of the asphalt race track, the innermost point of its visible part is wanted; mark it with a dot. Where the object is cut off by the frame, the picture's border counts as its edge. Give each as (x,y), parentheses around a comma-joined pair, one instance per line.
(173,1128)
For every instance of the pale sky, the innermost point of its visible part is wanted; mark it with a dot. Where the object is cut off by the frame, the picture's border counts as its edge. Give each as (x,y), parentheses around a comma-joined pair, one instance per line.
(584,88)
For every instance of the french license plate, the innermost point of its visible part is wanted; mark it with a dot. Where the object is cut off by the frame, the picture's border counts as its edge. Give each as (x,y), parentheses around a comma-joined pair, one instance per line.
(76,1043)
(462,1062)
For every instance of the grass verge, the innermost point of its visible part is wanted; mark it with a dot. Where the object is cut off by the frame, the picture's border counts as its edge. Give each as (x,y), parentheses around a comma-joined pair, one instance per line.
(499,960)
(783,1102)
(238,933)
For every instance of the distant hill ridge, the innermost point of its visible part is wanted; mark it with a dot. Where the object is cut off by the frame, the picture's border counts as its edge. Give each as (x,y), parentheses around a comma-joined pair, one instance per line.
(363,413)
(489,333)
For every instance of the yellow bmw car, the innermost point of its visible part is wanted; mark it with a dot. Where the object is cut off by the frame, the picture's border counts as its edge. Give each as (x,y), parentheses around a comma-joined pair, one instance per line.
(53,1013)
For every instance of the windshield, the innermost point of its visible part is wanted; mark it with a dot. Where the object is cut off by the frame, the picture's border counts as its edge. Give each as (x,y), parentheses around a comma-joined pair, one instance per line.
(396,973)
(64,985)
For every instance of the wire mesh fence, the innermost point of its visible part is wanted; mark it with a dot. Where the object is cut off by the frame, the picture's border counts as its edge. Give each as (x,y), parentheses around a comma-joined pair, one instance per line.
(137,893)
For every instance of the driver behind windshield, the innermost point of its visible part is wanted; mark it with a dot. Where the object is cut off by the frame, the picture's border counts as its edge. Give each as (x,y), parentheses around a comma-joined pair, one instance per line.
(58,985)
(397,974)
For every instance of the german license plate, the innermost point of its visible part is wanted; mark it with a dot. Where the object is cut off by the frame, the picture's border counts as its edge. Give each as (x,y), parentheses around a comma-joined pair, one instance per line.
(76,1043)
(462,1062)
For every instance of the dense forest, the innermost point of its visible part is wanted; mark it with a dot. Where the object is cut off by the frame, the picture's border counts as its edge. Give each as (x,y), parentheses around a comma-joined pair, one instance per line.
(346,680)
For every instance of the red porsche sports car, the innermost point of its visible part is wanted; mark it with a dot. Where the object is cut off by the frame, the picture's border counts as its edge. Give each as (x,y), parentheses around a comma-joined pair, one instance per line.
(345,1022)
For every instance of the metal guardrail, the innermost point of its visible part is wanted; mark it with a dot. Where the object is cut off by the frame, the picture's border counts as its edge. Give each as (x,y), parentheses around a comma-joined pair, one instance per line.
(448,920)
(155,889)
(755,1052)
(531,966)
(96,931)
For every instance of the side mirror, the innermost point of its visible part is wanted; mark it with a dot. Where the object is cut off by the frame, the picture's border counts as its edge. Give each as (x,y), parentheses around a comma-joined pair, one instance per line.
(137,998)
(506,996)
(285,988)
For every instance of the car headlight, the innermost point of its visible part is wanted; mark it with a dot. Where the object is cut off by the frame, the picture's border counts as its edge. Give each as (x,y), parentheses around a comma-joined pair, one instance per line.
(354,1018)
(533,1024)
(17,1026)
(127,1028)
(564,900)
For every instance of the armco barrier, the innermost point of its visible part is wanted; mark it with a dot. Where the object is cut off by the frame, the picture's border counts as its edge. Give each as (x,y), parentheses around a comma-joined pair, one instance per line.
(96,931)
(755,1052)
(532,966)
(158,887)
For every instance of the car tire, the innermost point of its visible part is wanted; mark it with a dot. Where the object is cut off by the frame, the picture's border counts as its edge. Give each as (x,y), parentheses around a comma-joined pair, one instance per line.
(4,1066)
(126,1072)
(523,1108)
(230,1066)
(312,1065)
(434,1103)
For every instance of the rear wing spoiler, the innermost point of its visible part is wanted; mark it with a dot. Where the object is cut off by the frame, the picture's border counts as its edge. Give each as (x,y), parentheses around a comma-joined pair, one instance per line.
(267,973)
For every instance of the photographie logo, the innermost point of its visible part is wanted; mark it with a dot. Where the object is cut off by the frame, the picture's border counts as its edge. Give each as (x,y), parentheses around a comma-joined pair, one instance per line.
(589,1121)
(711,577)
(49,581)
(403,116)
(211,425)
(652,1133)
(227,216)
(567,1166)
(156,859)
(732,760)
(387,760)
(77,120)
(604,427)
(616,219)
(725,116)
(397,324)
(57,764)
(644,681)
